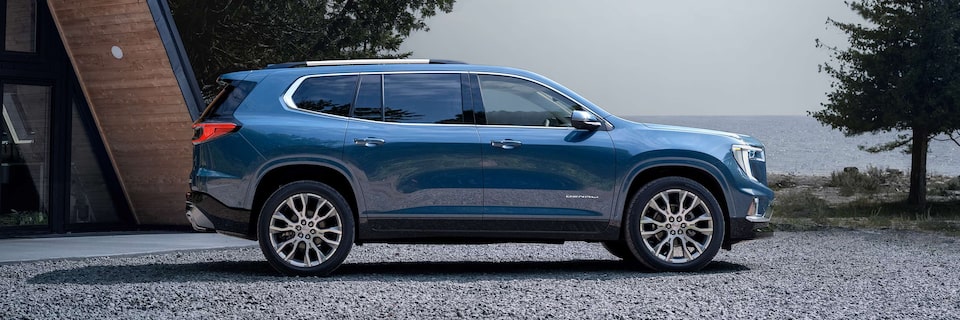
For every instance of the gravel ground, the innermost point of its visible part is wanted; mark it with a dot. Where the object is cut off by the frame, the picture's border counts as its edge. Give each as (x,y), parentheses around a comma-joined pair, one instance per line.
(822,274)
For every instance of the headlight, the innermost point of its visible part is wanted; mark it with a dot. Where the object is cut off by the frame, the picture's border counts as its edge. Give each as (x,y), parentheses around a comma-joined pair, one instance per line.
(744,154)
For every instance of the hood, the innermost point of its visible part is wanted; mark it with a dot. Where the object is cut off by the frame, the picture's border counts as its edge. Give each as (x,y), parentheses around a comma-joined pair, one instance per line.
(742,137)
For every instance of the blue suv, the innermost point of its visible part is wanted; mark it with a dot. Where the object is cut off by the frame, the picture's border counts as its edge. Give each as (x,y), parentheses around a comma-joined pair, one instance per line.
(311,158)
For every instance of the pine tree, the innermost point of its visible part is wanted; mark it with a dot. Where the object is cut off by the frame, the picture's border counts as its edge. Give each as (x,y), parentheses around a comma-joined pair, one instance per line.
(901,72)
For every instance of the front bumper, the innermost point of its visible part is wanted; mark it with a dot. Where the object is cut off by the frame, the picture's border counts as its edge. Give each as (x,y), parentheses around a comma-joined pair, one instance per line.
(748,229)
(753,220)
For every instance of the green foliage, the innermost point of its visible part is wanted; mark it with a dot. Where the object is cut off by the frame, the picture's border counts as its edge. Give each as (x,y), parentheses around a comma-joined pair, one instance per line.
(29,218)
(953,184)
(225,36)
(946,188)
(800,204)
(901,72)
(902,68)
(874,180)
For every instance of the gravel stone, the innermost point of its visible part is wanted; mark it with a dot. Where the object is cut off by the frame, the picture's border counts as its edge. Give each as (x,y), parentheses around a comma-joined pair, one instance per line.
(829,274)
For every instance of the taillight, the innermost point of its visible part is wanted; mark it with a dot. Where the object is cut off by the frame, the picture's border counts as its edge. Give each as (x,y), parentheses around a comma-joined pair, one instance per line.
(206,131)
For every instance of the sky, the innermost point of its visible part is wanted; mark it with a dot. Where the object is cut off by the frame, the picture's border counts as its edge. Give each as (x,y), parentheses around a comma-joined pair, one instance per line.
(681,57)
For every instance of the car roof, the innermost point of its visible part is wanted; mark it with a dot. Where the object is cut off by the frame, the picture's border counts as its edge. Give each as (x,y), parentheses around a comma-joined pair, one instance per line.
(395,65)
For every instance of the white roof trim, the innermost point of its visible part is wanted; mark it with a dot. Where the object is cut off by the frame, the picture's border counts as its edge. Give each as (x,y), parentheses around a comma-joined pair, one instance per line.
(365,61)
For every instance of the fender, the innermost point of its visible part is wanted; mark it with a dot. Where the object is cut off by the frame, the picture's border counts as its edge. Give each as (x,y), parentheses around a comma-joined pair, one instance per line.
(693,160)
(294,160)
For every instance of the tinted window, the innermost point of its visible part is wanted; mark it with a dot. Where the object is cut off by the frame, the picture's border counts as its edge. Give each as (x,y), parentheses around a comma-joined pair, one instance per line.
(332,95)
(422,98)
(512,101)
(370,98)
(229,99)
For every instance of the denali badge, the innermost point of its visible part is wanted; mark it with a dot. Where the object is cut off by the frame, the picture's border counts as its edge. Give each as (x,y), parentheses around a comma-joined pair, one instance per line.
(581,196)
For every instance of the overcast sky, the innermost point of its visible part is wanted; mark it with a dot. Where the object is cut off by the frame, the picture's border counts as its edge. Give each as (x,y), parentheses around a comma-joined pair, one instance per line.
(681,57)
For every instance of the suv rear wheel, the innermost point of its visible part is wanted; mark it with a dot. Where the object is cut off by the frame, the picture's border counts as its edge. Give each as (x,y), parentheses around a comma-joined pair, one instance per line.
(674,224)
(305,228)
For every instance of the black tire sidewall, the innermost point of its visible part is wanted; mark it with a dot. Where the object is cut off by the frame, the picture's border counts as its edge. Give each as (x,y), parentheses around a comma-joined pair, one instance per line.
(619,249)
(346,219)
(634,240)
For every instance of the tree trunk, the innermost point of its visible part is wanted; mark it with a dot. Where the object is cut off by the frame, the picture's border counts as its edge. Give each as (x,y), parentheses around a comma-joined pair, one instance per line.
(918,168)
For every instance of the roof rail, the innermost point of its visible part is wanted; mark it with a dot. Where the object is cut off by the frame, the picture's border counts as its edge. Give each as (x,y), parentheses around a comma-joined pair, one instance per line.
(359,62)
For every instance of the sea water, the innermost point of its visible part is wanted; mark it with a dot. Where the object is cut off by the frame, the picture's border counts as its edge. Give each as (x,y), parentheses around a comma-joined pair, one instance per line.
(801,145)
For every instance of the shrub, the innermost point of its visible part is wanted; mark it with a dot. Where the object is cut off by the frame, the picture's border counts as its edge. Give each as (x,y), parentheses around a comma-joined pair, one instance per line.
(954,184)
(778,182)
(851,181)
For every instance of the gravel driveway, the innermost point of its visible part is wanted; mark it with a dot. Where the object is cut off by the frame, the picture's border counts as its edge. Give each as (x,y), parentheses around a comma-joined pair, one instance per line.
(824,274)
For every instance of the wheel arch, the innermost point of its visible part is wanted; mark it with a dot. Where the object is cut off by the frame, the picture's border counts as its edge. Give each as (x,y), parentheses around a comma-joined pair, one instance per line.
(279,175)
(700,171)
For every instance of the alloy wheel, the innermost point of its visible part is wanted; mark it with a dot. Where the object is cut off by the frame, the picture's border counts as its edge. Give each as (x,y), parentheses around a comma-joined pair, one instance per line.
(305,230)
(676,226)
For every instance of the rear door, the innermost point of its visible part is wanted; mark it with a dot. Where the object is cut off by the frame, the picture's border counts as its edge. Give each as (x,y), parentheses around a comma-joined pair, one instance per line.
(415,153)
(541,174)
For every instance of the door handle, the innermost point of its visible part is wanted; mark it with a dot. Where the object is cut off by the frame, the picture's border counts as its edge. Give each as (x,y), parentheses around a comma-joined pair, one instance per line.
(506,144)
(369,142)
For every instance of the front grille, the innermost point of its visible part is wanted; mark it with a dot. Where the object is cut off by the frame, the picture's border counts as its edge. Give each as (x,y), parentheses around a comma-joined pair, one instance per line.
(759,169)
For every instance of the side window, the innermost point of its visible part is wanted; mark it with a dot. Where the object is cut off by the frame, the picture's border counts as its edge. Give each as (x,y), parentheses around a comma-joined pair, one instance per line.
(370,98)
(229,99)
(518,102)
(422,98)
(331,95)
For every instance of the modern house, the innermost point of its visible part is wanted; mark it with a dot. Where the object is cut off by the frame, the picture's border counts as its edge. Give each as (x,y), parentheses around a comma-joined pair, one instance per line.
(98,101)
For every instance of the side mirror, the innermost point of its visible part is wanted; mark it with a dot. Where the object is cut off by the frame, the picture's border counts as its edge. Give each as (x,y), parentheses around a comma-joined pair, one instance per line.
(584,120)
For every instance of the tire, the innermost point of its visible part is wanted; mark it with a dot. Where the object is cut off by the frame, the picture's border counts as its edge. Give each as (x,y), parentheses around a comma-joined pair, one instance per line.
(674,224)
(305,228)
(619,249)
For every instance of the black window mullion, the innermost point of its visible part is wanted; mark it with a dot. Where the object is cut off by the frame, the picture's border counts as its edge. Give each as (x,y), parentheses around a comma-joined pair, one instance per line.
(59,161)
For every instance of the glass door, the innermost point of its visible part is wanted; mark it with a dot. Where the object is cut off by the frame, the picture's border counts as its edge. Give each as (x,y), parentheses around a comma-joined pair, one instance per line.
(24,150)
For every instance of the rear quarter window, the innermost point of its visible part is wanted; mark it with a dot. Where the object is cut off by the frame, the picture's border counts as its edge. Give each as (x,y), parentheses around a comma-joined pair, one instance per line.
(329,94)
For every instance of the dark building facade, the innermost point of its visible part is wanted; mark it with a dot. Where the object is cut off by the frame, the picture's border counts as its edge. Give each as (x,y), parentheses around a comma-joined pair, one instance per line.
(98,100)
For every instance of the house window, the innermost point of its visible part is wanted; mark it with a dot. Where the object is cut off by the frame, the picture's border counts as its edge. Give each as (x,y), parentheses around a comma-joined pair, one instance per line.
(21,26)
(24,160)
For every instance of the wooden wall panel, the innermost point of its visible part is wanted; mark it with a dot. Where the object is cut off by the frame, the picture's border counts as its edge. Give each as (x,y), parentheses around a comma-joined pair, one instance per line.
(136,102)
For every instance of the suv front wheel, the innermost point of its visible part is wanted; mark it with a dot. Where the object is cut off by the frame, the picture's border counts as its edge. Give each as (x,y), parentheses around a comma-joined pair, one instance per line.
(674,224)
(305,228)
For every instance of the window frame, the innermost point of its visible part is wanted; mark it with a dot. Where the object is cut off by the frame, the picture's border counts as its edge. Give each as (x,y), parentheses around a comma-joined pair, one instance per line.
(44,46)
(468,105)
(289,103)
(463,99)
(480,110)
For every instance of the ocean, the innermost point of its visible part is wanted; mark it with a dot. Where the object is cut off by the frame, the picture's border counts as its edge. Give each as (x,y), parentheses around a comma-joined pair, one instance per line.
(801,145)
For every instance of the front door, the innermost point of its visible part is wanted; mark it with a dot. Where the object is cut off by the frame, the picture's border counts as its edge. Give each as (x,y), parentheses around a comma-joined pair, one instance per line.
(541,174)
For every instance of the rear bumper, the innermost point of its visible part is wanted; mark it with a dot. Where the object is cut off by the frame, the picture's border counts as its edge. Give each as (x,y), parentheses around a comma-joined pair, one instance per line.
(206,213)
(198,219)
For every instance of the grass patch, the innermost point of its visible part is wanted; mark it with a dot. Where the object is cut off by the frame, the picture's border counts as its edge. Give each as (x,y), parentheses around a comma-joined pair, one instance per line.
(800,204)
(805,211)
(872,198)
